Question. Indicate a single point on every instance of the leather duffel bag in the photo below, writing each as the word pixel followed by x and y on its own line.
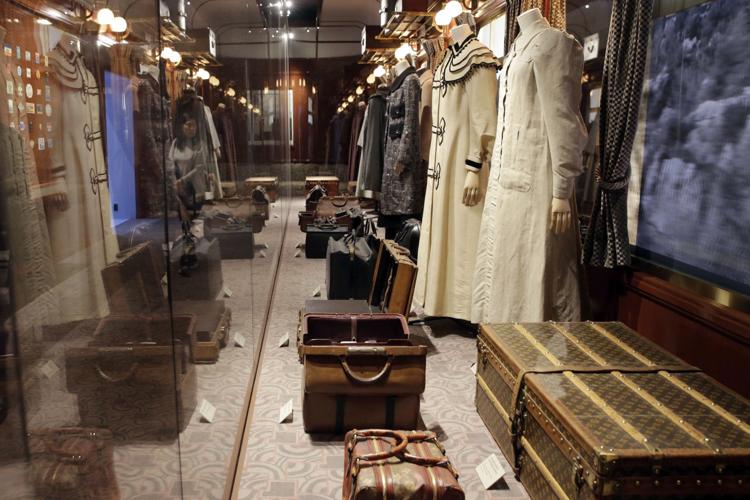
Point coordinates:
pixel 382 463
pixel 350 262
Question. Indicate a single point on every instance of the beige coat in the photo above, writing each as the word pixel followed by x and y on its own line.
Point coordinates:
pixel 82 238
pixel 464 122
pixel 524 272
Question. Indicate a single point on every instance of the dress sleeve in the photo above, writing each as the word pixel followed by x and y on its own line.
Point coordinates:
pixel 481 92
pixel 408 150
pixel 558 65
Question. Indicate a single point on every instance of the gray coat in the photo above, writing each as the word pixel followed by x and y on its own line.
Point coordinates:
pixel 403 194
pixel 373 140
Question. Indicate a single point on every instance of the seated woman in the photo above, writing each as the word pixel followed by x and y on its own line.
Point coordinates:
pixel 187 163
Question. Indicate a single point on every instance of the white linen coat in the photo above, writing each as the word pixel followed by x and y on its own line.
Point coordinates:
pixel 524 272
pixel 82 238
pixel 463 124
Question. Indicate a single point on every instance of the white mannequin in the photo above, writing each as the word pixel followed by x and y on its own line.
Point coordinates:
pixel 401 66
pixel 560 212
pixel 471 183
pixel 70 43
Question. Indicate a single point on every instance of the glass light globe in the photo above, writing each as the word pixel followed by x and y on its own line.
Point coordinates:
pixel 350 98
pixel 231 92
pixel 453 8
pixel 243 100
pixel 175 58
pixel 379 71
pixel 442 18
pixel 359 90
pixel 119 25
pixel 371 78
pixel 105 16
pixel 166 53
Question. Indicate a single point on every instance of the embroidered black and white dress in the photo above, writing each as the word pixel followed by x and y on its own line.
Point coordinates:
pixel 464 118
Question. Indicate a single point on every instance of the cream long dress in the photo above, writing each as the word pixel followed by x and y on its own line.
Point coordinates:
pixel 82 238
pixel 463 123
pixel 524 272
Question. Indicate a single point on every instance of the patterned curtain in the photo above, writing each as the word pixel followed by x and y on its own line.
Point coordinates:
pixel 607 241
pixel 511 26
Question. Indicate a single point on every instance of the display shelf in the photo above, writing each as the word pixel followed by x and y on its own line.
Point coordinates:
pixel 145 28
pixel 378 56
pixel 406 25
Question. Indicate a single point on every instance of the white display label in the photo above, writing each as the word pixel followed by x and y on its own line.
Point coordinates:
pixel 227 292
pixel 591 47
pixel 490 471
pixel 239 339
pixel 297 253
pixel 49 369
pixel 207 411
pixel 474 368
pixel 262 254
pixel 316 292
pixel 284 340
pixel 286 411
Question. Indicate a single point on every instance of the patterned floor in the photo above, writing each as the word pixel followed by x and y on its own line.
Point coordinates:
pixel 284 462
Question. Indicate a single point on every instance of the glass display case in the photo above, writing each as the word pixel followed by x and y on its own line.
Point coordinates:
pixel 137 251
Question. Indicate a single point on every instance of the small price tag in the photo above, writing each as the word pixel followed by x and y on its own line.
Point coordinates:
pixel 286 411
pixel 239 340
pixel 262 254
pixel 474 368
pixel 227 292
pixel 49 369
pixel 316 292
pixel 284 340
pixel 265 245
pixel 490 471
pixel 297 253
pixel 207 411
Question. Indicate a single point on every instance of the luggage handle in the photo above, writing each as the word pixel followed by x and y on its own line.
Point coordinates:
pixel 401 443
pixel 333 201
pixel 366 380
pixel 110 378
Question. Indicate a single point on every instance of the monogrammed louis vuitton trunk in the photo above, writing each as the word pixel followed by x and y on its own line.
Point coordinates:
pixel 593 410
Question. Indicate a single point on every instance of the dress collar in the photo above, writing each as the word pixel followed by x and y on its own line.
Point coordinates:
pixel 400 78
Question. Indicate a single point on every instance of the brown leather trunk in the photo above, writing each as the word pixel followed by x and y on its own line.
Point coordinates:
pixel 593 410
pixel 377 465
pixel 133 282
pixel 271 184
pixel 360 370
pixel 329 182
pixel 73 463
pixel 125 379
pixel 394 279
pixel 213 320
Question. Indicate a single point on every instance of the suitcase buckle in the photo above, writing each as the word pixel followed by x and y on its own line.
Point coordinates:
pixel 578 474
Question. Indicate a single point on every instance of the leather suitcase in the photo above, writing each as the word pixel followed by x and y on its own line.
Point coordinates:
pixel 133 282
pixel 364 368
pixel 394 279
pixel 213 320
pixel 349 267
pixel 127 384
pixel 593 410
pixel 381 463
pixel 73 463
pixel 316 239
pixel 271 185
pixel 238 207
pixel 329 182
pixel 236 241
pixel 201 281
pixel 321 306
pixel 261 202
pixel 337 414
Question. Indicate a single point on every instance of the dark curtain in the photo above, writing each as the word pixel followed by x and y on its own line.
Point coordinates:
pixel 511 26
pixel 622 83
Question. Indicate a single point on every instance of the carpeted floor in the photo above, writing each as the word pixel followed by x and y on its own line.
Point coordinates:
pixel 284 462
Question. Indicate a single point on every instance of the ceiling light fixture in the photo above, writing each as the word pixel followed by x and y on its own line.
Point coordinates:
pixel 371 78
pixel 379 71
pixel 119 25
pixel 203 74
pixel 350 98
pixel 166 53
pixel 105 16
pixel 243 100
pixel 360 90
pixel 442 18
pixel 453 8
pixel 43 22
pixel 176 58
pixel 403 51
pixel 231 92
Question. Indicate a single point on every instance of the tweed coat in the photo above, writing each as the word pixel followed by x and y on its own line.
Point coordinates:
pixel 464 92
pixel 525 272
pixel 403 193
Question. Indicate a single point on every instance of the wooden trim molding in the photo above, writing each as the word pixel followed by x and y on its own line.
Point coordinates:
pixel 704 333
